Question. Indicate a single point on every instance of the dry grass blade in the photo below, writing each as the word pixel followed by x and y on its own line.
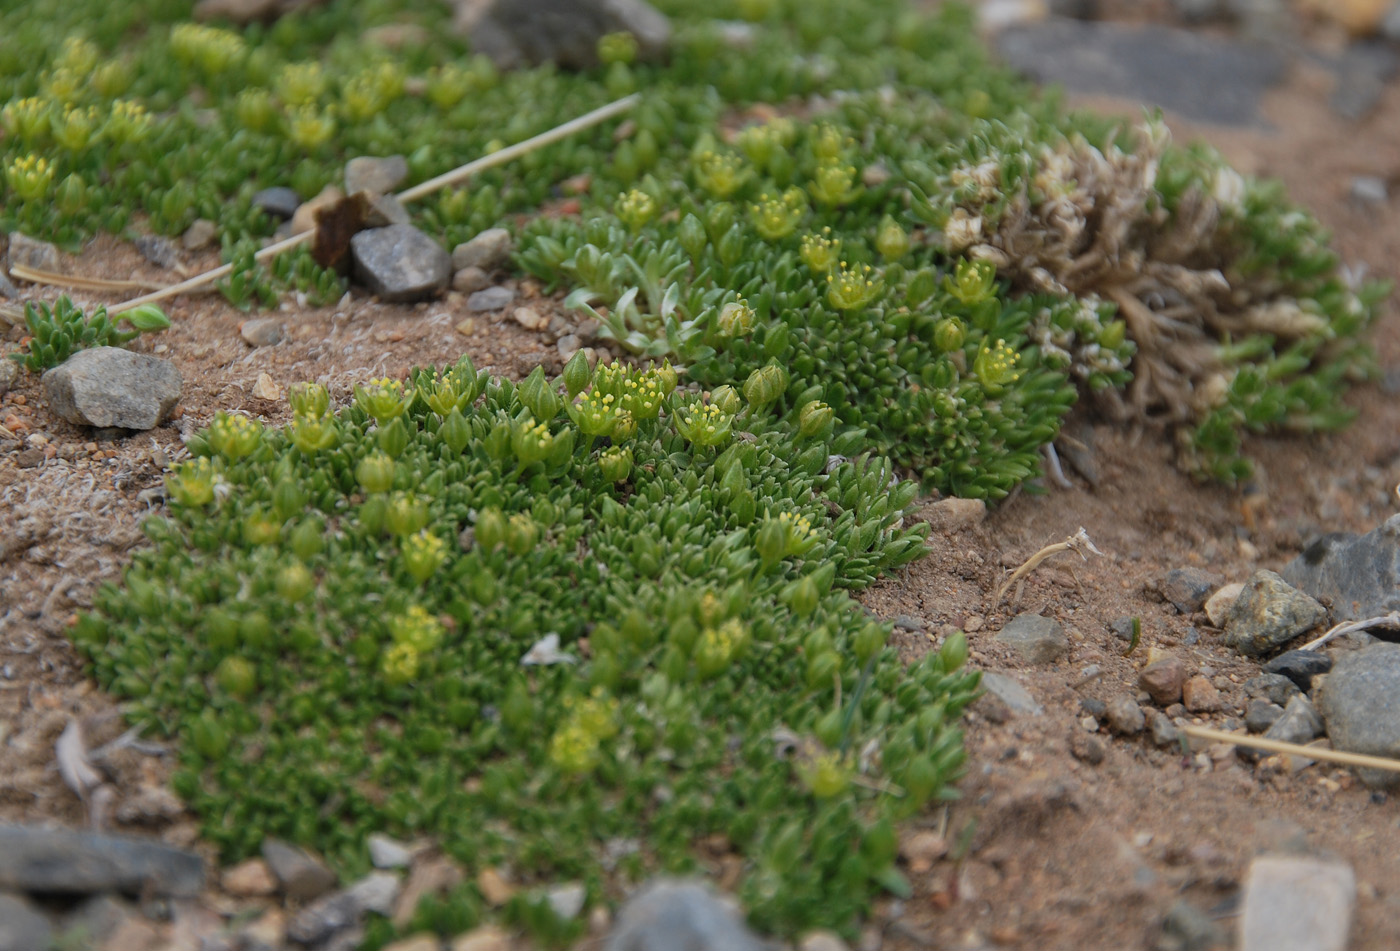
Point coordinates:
pixel 457 175
pixel 74 766
pixel 1078 542
pixel 55 279
pixel 1295 749
pixel 1351 627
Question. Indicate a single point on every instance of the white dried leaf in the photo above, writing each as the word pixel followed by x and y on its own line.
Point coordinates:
pixel 74 766
pixel 545 652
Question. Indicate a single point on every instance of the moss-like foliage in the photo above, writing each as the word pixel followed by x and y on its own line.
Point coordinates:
pixel 572 637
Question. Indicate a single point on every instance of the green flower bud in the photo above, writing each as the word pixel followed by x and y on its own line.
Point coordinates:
pixel 490 529
pixel 868 642
pixel 311 400
pixel 803 596
pixel 148 318
pixel 920 780
pixel 392 437
pixel 191 484
pixel 815 419
pixel 828 728
pixel 744 507
pixel 307 539
pixel 822 670
pixel 209 739
pixel 949 334
pixel 765 385
pixel 236 677
pixel 891 240
pixel 72 195
pixel 616 464
pixel 311 434
pixel 518 710
pixel 726 398
pixel 423 554
pixel 771 541
pixel 521 534
pixel 1113 335
pixel 255 630
pixel 692 237
pixel 972 281
pixel 455 431
pixel 295 582
pixel 735 319
pixel 531 442
pixel 234 436
pixel 953 654
pixel 922 286
pixel 538 396
pixel 405 514
pixel 383 399
pixel 400 663
pixel 260 528
pixel 577 374
pixel 375 473
pixel 824 775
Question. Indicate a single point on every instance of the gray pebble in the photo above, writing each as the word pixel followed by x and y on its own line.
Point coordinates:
pixel 378 176
pixel 1360 704
pixel 22 926
pixel 109 386
pixel 489 250
pixel 279 202
pixel 1125 716
pixel 680 915
pixel 1261 714
pixel 400 264
pixel 1035 639
pixel 491 298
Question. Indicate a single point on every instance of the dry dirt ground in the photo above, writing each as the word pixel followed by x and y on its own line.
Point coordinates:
pixel 1045 850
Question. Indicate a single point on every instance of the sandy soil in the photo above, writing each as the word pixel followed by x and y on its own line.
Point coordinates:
pixel 1047 849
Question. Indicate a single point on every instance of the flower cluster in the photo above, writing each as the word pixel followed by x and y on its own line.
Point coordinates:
pixel 852 288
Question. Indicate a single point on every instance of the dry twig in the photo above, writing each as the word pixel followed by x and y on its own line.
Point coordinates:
pixel 1078 542
pixel 1351 627
pixel 1295 749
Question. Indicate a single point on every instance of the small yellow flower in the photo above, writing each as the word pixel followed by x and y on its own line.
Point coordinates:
pixel 233 436
pixel 720 174
pixel 776 218
pixel 77 128
pixel 995 366
pixel 417 628
pixel 310 128
pixel 400 663
pixel 301 84
pixel 834 184
pixel 30 177
pixel 635 208
pixel 26 119
pixel 423 555
pixel 851 288
pixel 211 49
pixel 127 122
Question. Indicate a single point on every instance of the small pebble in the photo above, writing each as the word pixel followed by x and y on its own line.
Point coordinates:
pixel 1200 696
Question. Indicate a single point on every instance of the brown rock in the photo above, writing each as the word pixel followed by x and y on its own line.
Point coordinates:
pixel 469 280
pixel 305 217
pixel 922 849
pixel 428 878
pixel 249 879
pixel 488 938
pixel 1163 680
pixel 951 515
pixel 1200 696
pixel 494 887
pixel 419 942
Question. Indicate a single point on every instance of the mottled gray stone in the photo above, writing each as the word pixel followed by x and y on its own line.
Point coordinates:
pixel 1163 730
pixel 386 210
pixel 1261 714
pixel 341 911
pixel 262 331
pixel 490 298
pixel 516 33
pixel 385 852
pixel 1275 688
pixel 1202 78
pixel 1360 704
pixel 279 202
pixel 98 918
pixel 1299 723
pixel 378 176
pixel 1188 588
pixel 1187 928
pixel 160 251
pixel 301 876
pixel 199 235
pixel 1297 903
pixel 22 926
pixel 488 250
pixel 1358 574
pixel 32 253
pixel 1300 666
pixel 66 862
pixel 9 373
pixel 400 263
pixel 1369 189
pixel 1036 639
pixel 1268 614
pixel 1124 715
pixel 109 386
pixel 680 915
pixel 1010 692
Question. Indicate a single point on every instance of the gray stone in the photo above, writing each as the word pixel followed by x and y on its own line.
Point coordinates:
pixel 98 918
pixel 301 876
pixel 7 287
pixel 566 901
pixel 1010 692
pixel 9 373
pixel 1300 666
pixel 262 331
pixel 1360 704
pixel 1199 11
pixel 1210 80
pixel 568 345
pixel 1390 24
pixel 385 852
pixel 1261 714
pixel 1124 715
pixel 109 386
pixel 279 203
pixel 1296 903
pixel 1362 70
pixel 516 33
pixel 31 253
pixel 386 210
pixel 400 263
pixel 952 515
pixel 1268 614
pixel 488 250
pixel 1299 724
pixel 680 915
pixel 1188 588
pixel 159 250
pixel 469 280
pixel 1036 639
pixel 1358 574
pixel 199 235
pixel 378 176
pixel 490 298
pixel 1369 189
pixel 22 926
pixel 331 915
pixel 1274 688
pixel 61 861
pixel 1187 928
pixel 1163 730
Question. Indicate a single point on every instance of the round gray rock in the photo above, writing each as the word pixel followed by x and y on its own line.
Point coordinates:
pixel 22 927
pixel 400 263
pixel 1360 705
pixel 378 176
pixel 109 386
pixel 1036 639
pixel 488 250
pixel 679 915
